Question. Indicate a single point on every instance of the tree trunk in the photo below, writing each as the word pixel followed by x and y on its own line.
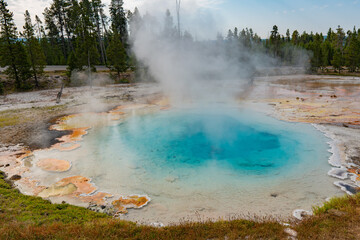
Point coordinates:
pixel 33 65
pixel 60 93
pixel 17 80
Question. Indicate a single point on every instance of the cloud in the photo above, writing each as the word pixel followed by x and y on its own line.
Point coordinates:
pixel 18 7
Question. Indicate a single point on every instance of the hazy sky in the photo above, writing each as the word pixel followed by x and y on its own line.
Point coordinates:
pixel 206 17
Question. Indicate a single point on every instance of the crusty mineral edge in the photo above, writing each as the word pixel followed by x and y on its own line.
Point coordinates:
pixel 77 189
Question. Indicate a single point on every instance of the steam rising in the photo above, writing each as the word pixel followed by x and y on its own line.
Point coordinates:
pixel 194 71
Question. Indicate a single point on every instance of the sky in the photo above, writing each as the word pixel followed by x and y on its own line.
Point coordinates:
pixel 205 18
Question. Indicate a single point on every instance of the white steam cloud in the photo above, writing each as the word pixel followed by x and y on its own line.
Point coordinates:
pixel 194 71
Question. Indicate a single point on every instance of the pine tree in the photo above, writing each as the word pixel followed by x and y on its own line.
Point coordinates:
pixel 86 52
pixel 117 51
pixel 13 54
pixel 337 60
pixel 38 24
pixel 21 60
pixel 57 12
pixel 169 28
pixel 315 47
pixel 8 38
pixel 51 44
pixel 97 9
pixel 33 48
pixel 295 38
pixel 338 40
pixel 352 51
pixel 135 21
pixel 288 35
pixel 117 58
pixel 275 41
pixel 118 20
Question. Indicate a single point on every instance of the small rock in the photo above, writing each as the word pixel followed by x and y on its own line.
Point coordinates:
pixel 300 214
pixel 102 206
pixel 285 224
pixel 15 177
pixel 7 165
pixel 157 224
pixel 2 165
pixel 291 232
pixel 274 195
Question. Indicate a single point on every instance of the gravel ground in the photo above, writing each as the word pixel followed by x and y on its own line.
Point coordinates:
pixel 24 115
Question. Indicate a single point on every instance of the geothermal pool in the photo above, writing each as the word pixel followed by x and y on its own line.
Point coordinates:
pixel 207 163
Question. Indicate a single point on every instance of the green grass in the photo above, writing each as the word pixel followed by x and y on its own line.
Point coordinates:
pixel 7 119
pixel 338 218
pixel 345 203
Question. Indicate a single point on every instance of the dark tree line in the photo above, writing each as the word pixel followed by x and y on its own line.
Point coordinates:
pixel 337 49
pixel 78 34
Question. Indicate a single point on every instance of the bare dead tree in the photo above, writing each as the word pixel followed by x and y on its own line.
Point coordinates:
pixel 60 93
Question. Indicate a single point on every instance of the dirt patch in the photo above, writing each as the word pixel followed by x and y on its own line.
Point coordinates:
pixel 32 130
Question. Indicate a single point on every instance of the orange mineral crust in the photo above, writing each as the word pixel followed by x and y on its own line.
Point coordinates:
pixel 77 187
pixel 61 147
pixel 83 184
pixel 98 198
pixel 133 201
pixel 356 172
pixel 53 165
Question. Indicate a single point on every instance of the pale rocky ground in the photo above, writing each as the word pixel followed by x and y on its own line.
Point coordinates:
pixel 332 102
pixel 35 110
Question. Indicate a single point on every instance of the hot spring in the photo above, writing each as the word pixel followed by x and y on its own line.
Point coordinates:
pixel 211 163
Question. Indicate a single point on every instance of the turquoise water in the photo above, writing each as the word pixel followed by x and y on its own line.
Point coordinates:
pixel 191 139
pixel 244 141
pixel 213 161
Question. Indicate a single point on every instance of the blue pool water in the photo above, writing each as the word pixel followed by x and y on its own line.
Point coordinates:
pixel 191 139
pixel 214 161
pixel 238 140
